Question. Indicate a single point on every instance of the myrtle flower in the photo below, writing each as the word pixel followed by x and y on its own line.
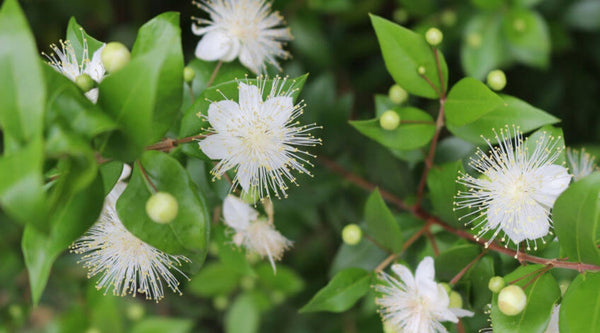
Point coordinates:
pixel 256 234
pixel 415 303
pixel 259 138
pixel 244 29
pixel 124 263
pixel 64 60
pixel 581 163
pixel 517 188
pixel 553 323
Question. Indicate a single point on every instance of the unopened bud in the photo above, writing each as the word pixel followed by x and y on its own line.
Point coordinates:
pixel 277 297
pixel 434 36
pixel 512 300
pixel 400 15
pixel 519 25
pixel 496 80
pixel 421 70
pixel 448 17
pixel 247 283
pixel 397 94
pixel 115 56
pixel 496 284
pixel 85 82
pixel 188 74
pixel 135 312
pixel 446 287
pixel 162 207
pixel 455 300
pixel 474 40
pixel 352 234
pixel 220 303
pixel 389 120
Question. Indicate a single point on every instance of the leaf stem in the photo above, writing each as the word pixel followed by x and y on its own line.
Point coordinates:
pixel 213 76
pixel 146 176
pixel 406 245
pixel 462 272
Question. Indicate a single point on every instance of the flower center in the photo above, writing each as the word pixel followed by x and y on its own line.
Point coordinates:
pixel 516 191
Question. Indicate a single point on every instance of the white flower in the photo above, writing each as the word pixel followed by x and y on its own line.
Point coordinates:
pixel 415 303
pixel 517 188
pixel 553 323
pixel 258 235
pixel 244 29
pixel 259 138
pixel 581 163
pixel 64 60
pixel 124 263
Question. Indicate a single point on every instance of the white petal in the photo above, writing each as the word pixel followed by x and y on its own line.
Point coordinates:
pixel 218 146
pixel 250 99
pixel 238 214
pixel 199 30
pixel 405 275
pixel 554 180
pixel 461 312
pixel 253 62
pixel 244 178
pixel 213 46
pixel 446 315
pixel 278 110
pixel 125 172
pixel 95 68
pixel 425 270
pixel 92 95
pixel 234 50
pixel 224 115
pixel 536 224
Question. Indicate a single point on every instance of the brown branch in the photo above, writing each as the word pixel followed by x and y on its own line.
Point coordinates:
pixel 213 76
pixel 167 144
pixel 466 268
pixel 436 250
pixel 423 215
pixel 408 243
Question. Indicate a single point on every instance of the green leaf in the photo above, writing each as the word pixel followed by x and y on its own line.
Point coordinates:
pixel 489 4
pixel 23 95
pixel 442 185
pixel 580 307
pixel 575 215
pixel 162 324
pixel 528 37
pixel 512 112
pixel 78 37
pixel 188 233
pixel 144 96
pixel 365 255
pixel 483 48
pixel 381 224
pixel 542 294
pixel 469 100
pixel 285 280
pixel 404 52
pixel 584 15
pixel 213 280
pixel 22 194
pixel 110 173
pixel 69 221
pixel 346 287
pixel 229 254
pixel 451 261
pixel 407 136
pixel 243 316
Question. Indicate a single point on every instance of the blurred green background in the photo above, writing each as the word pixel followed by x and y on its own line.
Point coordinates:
pixel 335 43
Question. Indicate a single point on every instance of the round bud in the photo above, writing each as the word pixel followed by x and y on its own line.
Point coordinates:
pixel 496 284
pixel 519 25
pixel 389 120
pixel 162 207
pixel 135 312
pixel 446 287
pixel 434 36
pixel 421 70
pixel 448 17
pixel 250 197
pixel 397 94
pixel 455 300
pixel 512 300
pixel 85 82
pixel 400 15
pixel 277 297
pixel 474 40
pixel 496 80
pixel 247 283
pixel 220 303
pixel 351 234
pixel 188 74
pixel 115 56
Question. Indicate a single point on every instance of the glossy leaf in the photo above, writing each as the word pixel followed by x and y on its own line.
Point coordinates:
pixel 77 36
pixel 404 52
pixel 213 280
pixel 381 224
pixel 407 136
pixel 542 294
pixel 584 15
pixel 285 280
pixel 528 37
pixel 469 100
pixel 23 95
pixel 162 324
pixel 346 287
pixel 188 233
pixel 580 307
pixel 483 46
pixel 243 316
pixel 442 185
pixel 451 261
pixel 576 221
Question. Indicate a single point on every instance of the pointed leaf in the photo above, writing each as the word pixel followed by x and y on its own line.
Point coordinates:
pixel 346 287
pixel 580 307
pixel 469 100
pixel 381 224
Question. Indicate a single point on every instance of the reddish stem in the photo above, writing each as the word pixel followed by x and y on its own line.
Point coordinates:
pixel 462 272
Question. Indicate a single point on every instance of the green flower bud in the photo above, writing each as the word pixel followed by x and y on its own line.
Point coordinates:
pixel 474 40
pixel 519 25
pixel 434 36
pixel 115 56
pixel 496 80
pixel 247 283
pixel 220 303
pixel 421 70
pixel 84 82
pixel 277 297
pixel 351 234
pixel 250 197
pixel 188 74
pixel 496 284
pixel 162 207
pixel 135 312
pixel 397 94
pixel 400 15
pixel 446 287
pixel 455 300
pixel 448 17
pixel 512 300
pixel 389 120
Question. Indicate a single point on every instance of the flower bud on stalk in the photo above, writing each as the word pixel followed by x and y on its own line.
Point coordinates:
pixel 512 300
pixel 115 56
pixel 389 120
pixel 162 207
